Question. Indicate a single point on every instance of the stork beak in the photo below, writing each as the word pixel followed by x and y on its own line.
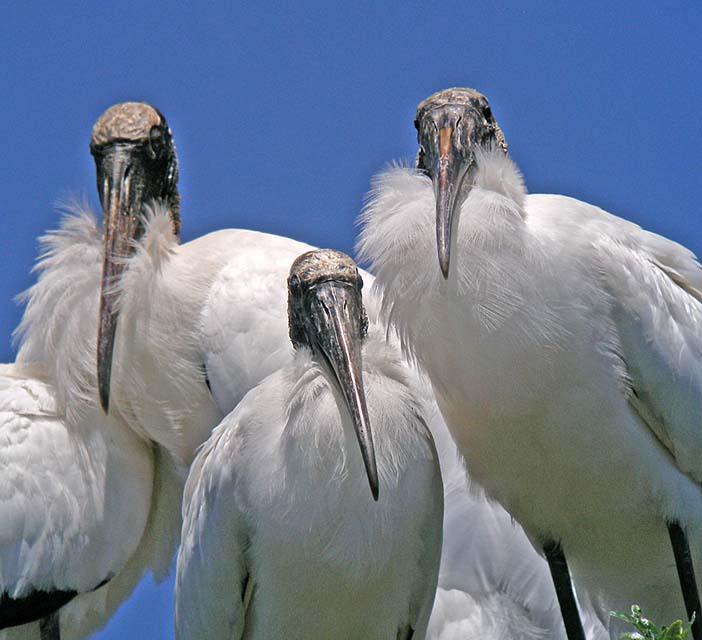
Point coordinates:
pixel 448 177
pixel 119 188
pixel 337 309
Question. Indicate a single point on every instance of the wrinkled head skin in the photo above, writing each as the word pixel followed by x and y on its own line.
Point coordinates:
pixel 326 315
pixel 136 162
pixel 451 125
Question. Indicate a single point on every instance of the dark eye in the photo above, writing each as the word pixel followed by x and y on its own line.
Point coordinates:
pixel 422 160
pixel 487 113
pixel 155 141
pixel 156 137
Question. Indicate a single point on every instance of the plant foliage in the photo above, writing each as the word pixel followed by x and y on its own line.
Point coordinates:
pixel 647 630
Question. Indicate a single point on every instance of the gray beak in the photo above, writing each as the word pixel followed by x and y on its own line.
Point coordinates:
pixel 120 186
pixel 336 309
pixel 448 177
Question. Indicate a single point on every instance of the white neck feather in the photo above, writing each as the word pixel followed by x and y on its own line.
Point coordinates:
pixel 492 250
pixel 497 173
pixel 158 377
pixel 59 324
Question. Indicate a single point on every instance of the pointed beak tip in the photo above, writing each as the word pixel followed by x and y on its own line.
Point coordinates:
pixel 444 264
pixel 104 365
pixel 375 491
pixel 105 401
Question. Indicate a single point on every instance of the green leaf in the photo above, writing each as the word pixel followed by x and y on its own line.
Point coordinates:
pixel 647 630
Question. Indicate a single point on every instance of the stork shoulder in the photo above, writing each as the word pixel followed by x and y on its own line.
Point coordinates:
pixel 654 288
pixel 243 323
pixel 574 220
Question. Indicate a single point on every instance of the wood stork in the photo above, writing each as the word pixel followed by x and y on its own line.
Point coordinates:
pixel 210 314
pixel 202 323
pixel 225 296
pixel 86 504
pixel 75 497
pixel 281 536
pixel 564 346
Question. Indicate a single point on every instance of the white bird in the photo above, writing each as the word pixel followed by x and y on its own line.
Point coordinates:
pixel 212 314
pixel 200 324
pixel 225 295
pixel 86 504
pixel 564 345
pixel 281 536
pixel 75 496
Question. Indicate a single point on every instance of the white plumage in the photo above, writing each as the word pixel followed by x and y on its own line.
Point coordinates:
pixel 58 506
pixel 226 296
pixel 223 295
pixel 564 349
pixel 281 537
pixel 208 314
pixel 83 499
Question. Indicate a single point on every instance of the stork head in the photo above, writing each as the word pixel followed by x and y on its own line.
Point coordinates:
pixel 451 125
pixel 326 315
pixel 136 162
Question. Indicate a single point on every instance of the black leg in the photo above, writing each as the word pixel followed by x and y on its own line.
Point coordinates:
pixel 49 627
pixel 686 574
pixel 564 590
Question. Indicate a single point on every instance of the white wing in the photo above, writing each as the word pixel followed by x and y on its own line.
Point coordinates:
pixel 73 501
pixel 657 307
pixel 655 287
pixel 90 611
pixel 211 559
pixel 244 320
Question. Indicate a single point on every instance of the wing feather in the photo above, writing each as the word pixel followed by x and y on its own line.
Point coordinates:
pixel 244 320
pixel 62 526
pixel 656 295
pixel 655 290
pixel 213 585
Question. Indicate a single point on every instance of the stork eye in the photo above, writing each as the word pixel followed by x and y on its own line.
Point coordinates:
pixel 155 139
pixel 421 161
pixel 155 134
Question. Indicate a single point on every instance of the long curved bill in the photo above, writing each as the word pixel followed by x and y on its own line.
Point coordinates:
pixel 121 225
pixel 337 309
pixel 448 178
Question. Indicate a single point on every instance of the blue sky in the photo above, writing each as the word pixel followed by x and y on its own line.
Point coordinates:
pixel 281 115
